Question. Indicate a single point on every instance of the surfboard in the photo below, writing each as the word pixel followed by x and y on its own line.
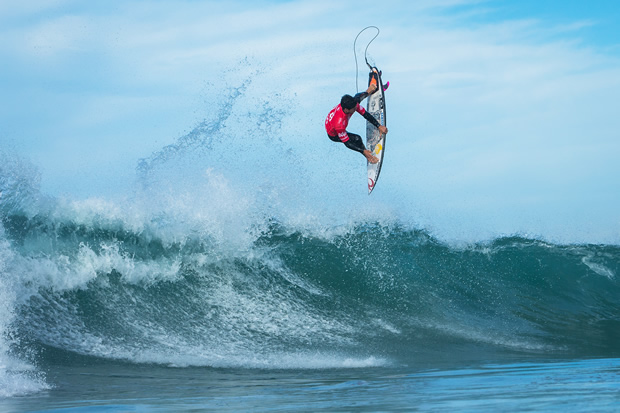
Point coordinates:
pixel 375 140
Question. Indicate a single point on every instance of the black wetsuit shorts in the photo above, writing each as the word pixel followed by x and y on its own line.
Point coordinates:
pixel 354 143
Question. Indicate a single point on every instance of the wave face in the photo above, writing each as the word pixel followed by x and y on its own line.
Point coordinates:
pixel 93 279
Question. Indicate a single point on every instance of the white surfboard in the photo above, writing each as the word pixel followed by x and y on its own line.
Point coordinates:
pixel 375 140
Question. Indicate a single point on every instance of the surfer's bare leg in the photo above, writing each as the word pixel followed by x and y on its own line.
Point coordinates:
pixel 355 143
pixel 370 157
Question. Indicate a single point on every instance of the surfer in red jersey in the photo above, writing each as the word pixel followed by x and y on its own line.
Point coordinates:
pixel 338 119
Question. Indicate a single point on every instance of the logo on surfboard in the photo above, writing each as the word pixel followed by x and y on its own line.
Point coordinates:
pixel 371 184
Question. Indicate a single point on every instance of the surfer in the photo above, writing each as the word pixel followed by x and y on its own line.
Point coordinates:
pixel 338 119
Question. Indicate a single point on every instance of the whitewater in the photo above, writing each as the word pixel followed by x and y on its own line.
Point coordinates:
pixel 264 285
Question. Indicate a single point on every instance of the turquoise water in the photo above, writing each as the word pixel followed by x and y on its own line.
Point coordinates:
pixel 583 385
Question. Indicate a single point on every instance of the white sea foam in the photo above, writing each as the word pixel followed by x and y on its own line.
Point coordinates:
pixel 16 376
pixel 598 268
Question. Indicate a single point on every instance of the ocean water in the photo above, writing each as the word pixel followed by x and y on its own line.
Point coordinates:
pixel 103 308
pixel 208 288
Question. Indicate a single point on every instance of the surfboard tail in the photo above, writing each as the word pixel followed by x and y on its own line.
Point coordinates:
pixel 373 79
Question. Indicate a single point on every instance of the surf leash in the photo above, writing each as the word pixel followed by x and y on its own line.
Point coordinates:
pixel 365 53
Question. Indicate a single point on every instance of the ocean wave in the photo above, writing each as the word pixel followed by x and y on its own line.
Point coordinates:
pixel 167 288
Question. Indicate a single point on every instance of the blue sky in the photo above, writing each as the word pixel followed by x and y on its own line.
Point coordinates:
pixel 502 114
pixel 602 16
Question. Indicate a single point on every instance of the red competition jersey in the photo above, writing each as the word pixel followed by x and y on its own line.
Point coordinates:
pixel 337 121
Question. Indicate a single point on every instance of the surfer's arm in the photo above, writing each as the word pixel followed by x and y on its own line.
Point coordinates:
pixel 363 95
pixel 360 96
pixel 375 123
pixel 371 119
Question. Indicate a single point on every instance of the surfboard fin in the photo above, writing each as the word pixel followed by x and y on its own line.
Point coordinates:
pixel 373 78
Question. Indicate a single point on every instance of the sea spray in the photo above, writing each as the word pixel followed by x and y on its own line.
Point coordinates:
pixel 17 377
pixel 19 194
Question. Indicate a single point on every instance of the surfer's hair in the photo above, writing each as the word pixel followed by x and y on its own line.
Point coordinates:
pixel 348 102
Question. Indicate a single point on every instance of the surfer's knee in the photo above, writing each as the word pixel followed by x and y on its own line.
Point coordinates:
pixel 355 143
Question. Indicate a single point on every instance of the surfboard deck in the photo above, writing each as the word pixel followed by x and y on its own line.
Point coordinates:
pixel 375 140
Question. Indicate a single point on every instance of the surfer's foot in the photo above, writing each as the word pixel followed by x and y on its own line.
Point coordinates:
pixel 370 157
